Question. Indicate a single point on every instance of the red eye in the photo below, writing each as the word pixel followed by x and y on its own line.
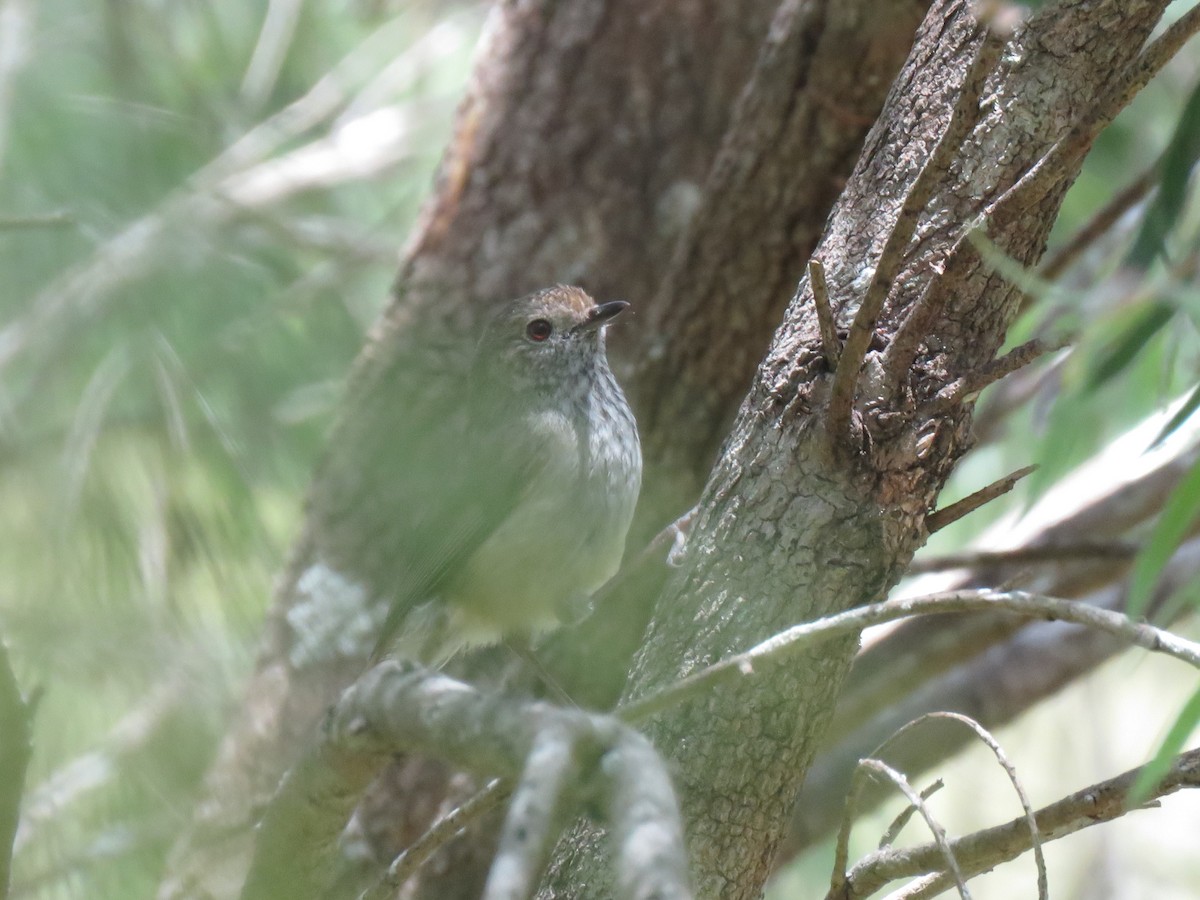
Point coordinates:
pixel 538 330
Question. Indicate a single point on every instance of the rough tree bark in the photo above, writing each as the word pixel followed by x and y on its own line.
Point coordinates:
pixel 581 154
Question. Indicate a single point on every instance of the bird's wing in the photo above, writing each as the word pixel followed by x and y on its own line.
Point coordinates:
pixel 466 496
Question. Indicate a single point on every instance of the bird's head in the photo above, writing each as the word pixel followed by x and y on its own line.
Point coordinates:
pixel 547 339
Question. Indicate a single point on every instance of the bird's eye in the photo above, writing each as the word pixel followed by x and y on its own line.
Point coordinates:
pixel 538 330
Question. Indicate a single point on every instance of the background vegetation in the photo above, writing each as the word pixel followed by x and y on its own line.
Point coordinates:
pixel 201 208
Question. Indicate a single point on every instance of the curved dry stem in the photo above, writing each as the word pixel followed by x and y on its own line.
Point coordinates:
pixel 997 751
pixel 807 635
pixel 840 885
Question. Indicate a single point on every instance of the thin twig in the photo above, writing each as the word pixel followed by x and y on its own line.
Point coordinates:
pixel 387 710
pixel 442 831
pixel 939 834
pixel 983 850
pixel 810 634
pixel 645 823
pixel 938 520
pixel 901 353
pixel 831 345
pixel 969 386
pixel 998 752
pixel 839 878
pixel 962 119
pixel 893 830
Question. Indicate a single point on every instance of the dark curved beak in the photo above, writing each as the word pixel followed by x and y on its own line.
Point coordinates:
pixel 602 314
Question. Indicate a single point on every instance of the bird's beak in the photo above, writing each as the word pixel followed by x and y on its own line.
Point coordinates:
pixel 602 314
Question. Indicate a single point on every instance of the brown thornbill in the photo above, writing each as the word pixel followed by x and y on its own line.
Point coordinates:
pixel 535 511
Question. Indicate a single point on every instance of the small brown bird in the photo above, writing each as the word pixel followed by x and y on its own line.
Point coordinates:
pixel 537 508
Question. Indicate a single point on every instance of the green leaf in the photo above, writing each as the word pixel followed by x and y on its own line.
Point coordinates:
pixel 1152 773
pixel 1172 527
pixel 1181 415
pixel 1168 204
pixel 1119 352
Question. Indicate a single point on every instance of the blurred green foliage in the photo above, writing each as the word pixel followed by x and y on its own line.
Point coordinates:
pixel 179 305
pixel 193 241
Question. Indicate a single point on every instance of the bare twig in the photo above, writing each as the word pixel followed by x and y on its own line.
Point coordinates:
pixel 831 345
pixel 939 663
pixel 1048 171
pixel 997 751
pixel 939 834
pixel 986 849
pixel 1030 189
pixel 442 831
pixel 802 637
pixel 893 830
pixel 646 824
pixel 839 879
pixel 969 386
pixel 938 520
pixel 902 351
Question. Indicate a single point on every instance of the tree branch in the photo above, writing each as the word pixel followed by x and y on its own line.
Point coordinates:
pixel 1068 150
pixel 831 344
pixel 986 849
pixel 405 708
pixel 963 117
pixel 992 744
pixel 801 637
pixel 947 515
pixel 531 826
pixel 969 386
pixel 1100 222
